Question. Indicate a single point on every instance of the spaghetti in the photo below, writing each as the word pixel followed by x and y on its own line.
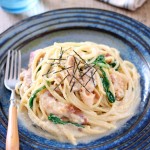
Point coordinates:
pixel 75 90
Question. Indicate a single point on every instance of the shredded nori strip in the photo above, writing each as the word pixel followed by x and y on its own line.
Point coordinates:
pixel 75 68
pixel 60 82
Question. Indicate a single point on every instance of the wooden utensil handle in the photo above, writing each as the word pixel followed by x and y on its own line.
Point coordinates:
pixel 12 139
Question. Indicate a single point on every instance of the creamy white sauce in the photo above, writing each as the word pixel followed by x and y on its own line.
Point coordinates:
pixel 25 121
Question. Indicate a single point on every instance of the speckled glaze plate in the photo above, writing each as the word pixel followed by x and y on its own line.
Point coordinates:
pixel 130 37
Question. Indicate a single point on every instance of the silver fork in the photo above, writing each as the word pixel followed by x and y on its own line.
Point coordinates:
pixel 13 67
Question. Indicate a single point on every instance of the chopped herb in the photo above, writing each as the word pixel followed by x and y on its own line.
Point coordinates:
pixel 106 86
pixel 57 120
pixel 113 64
pixel 33 96
pixel 39 69
pixel 103 65
pixel 105 83
pixel 117 68
pixel 100 61
pixel 105 80
pixel 110 96
pixel 48 83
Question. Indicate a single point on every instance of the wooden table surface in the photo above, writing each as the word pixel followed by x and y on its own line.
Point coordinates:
pixel 142 14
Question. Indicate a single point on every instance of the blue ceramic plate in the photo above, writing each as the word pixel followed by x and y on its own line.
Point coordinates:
pixel 130 37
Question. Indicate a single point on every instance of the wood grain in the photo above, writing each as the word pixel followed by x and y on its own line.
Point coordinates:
pixel 12 139
pixel 142 14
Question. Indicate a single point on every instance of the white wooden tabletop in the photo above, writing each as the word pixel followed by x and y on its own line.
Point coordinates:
pixel 142 14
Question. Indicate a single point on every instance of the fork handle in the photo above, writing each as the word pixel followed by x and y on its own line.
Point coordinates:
pixel 12 139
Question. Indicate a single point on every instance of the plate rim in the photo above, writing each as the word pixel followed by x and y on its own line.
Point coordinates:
pixel 71 8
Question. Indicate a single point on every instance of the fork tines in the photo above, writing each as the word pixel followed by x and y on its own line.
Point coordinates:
pixel 13 65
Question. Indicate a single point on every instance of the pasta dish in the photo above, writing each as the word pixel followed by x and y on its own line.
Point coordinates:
pixel 75 90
